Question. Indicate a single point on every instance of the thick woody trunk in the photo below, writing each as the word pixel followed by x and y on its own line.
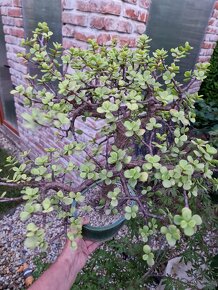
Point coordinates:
pixel 121 142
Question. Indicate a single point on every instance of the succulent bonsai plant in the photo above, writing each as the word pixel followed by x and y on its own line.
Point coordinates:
pixel 143 141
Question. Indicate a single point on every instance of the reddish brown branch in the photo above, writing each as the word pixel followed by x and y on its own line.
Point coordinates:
pixel 11 199
pixel 145 213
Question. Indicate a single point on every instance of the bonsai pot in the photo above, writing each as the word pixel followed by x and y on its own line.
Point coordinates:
pixel 102 233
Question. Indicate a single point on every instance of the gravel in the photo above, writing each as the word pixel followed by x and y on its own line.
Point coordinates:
pixel 12 237
pixel 8 144
pixel 12 245
pixel 97 214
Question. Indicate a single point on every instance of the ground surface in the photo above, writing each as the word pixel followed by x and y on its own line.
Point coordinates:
pixel 5 207
pixel 113 266
pixel 11 249
pixel 117 265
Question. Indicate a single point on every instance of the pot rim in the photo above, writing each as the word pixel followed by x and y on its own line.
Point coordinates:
pixel 110 226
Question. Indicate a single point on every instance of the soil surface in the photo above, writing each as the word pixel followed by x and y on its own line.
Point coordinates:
pixel 100 214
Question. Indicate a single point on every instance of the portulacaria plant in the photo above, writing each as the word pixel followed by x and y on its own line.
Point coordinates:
pixel 144 141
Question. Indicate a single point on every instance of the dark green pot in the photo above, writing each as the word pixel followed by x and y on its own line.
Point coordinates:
pixel 102 233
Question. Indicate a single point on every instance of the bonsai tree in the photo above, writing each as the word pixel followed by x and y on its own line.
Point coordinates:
pixel 143 141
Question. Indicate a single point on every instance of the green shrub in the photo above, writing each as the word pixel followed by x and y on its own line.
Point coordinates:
pixel 11 193
pixel 207 108
pixel 139 101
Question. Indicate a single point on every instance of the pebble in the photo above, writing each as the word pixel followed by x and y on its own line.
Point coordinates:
pixel 12 246
pixel 12 236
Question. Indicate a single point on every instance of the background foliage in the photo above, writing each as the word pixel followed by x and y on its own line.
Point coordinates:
pixel 207 108
pixel 140 101
pixel 118 264
pixel 6 172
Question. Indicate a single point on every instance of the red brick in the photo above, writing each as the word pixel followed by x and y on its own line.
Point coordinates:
pixel 4 11
pixel 208 45
pixel 14 57
pixel 18 22
pixel 211 37
pixel 12 39
pixel 97 22
pixel 16 74
pixel 6 29
pixel 83 36
pixel 100 6
pixel 144 3
pixel 17 3
pixel 17 66
pixel 71 42
pixel 206 52
pixel 14 31
pixel 110 24
pixel 103 23
pixel 140 28
pixel 124 26
pixel 130 41
pixel 6 20
pixel 203 58
pixel 110 7
pixel 212 30
pixel 68 30
pixel 136 14
pixel 103 38
pixel 6 3
pixel 15 12
pixel 211 21
pixel 73 18
pixel 14 48
pixel 215 13
pixel 68 4
pixel 88 6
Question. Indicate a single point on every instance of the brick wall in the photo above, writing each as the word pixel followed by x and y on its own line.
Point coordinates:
pixel 209 42
pixel 82 19
pixel 102 20
pixel 12 20
pixel 11 11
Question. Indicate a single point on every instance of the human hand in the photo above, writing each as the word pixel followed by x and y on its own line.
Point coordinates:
pixel 63 273
pixel 84 249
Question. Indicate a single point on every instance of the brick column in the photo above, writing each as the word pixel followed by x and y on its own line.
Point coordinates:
pixel 209 42
pixel 103 20
pixel 12 20
pixel 11 13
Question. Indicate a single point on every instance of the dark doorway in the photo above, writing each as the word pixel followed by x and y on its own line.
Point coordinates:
pixel 7 107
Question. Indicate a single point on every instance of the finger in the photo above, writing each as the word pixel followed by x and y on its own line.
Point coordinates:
pixel 85 220
pixel 93 247
pixel 88 242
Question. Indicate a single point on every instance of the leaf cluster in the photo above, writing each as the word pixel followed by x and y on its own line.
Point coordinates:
pixel 138 101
